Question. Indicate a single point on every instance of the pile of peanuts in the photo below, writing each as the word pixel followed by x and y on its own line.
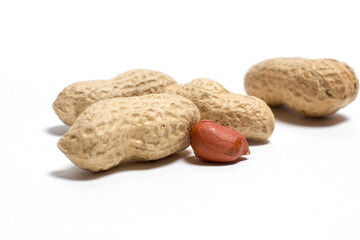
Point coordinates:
pixel 145 115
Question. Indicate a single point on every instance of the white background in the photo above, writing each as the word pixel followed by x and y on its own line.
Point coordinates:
pixel 304 183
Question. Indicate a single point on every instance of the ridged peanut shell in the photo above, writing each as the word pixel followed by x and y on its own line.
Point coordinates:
pixel 311 87
pixel 144 128
pixel 75 98
pixel 248 115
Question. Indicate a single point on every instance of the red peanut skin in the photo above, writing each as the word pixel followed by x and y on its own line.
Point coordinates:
pixel 216 143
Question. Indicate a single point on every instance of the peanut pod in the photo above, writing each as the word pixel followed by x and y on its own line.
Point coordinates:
pixel 248 115
pixel 144 128
pixel 311 87
pixel 75 98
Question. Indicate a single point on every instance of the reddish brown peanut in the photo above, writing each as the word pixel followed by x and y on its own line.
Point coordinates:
pixel 216 143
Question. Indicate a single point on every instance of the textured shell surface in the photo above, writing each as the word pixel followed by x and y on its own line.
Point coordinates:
pixel 145 128
pixel 312 87
pixel 249 115
pixel 75 98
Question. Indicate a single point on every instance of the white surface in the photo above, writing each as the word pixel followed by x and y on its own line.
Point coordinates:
pixel 302 184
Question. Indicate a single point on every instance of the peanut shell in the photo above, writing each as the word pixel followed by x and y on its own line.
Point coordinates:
pixel 143 128
pixel 248 115
pixel 75 98
pixel 311 87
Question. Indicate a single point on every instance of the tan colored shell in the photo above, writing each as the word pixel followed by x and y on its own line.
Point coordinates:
pixel 311 87
pixel 145 128
pixel 75 98
pixel 248 115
